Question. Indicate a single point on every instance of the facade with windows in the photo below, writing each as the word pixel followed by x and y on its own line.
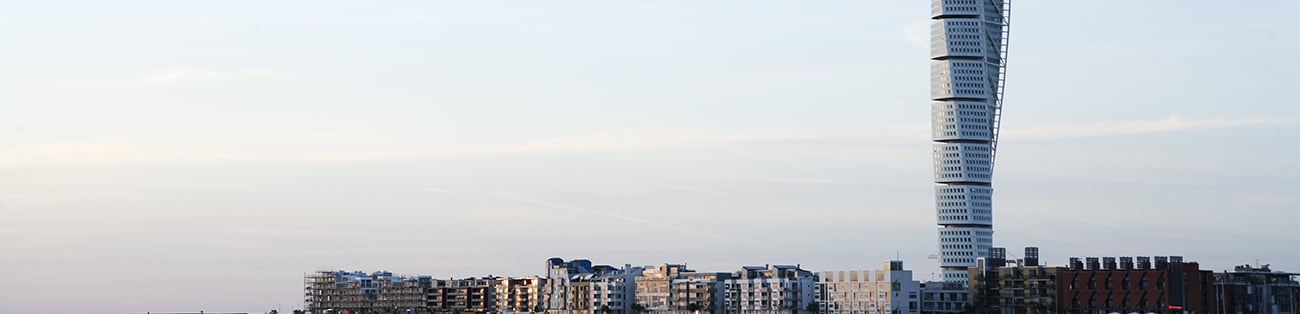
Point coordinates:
pixel 1249 289
pixel 945 297
pixel 1017 288
pixel 891 290
pixel 967 69
pixel 555 295
pixel 607 290
pixel 1135 286
pixel 673 288
pixel 383 292
pixel 769 289
pixel 359 292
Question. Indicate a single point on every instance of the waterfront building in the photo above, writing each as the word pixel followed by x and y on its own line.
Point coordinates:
pixel 967 70
pixel 1017 287
pixel 358 292
pixel 1129 285
pixel 1249 289
pixel 769 289
pixel 945 297
pixel 606 290
pixel 653 289
pixel 464 295
pixel 519 294
pixel 555 295
pixel 673 288
pixel 891 290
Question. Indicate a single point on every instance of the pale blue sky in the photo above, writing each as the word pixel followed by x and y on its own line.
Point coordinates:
pixel 185 156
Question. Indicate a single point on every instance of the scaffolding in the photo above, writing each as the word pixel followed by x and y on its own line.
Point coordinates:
pixel 357 292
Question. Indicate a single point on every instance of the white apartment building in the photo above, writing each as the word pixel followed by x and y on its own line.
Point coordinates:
pixel 769 289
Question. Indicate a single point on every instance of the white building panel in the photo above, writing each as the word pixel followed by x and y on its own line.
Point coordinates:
pixel 961 121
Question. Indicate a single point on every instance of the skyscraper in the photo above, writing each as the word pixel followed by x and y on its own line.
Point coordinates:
pixel 967 68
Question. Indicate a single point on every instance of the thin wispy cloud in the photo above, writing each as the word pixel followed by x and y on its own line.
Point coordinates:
pixel 183 74
pixel 437 190
pixel 1098 129
pixel 697 190
pixel 626 218
pixel 117 151
pixel 152 78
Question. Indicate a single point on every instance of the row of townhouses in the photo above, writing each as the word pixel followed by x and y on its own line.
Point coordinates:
pixel 996 285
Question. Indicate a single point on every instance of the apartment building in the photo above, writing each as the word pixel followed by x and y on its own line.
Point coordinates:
pixel 1022 286
pixel 887 291
pixel 1125 286
pixel 1251 289
pixel 607 290
pixel 359 292
pixel 769 289
pixel 945 297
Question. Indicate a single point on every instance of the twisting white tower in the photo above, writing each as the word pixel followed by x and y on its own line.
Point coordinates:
pixel 968 41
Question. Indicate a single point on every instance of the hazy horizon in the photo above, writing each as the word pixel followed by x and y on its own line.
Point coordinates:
pixel 187 156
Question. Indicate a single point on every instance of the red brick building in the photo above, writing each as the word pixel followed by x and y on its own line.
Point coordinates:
pixel 1167 286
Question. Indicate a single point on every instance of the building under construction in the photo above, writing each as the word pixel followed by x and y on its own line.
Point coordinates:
pixel 358 292
pixel 341 292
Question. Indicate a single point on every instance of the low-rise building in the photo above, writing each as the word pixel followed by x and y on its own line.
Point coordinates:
pixel 698 292
pixel 555 295
pixel 1019 287
pixel 358 292
pixel 944 297
pixel 1105 285
pixel 521 294
pixel 1248 289
pixel 673 288
pixel 606 290
pixel 770 289
pixel 653 288
pixel 891 290
pixel 468 295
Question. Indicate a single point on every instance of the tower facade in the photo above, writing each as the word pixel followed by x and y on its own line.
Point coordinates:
pixel 967 69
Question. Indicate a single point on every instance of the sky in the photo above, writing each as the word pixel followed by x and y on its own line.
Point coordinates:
pixel 186 156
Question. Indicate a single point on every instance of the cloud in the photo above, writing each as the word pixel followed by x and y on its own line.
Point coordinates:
pixel 1098 129
pixel 113 151
pixel 181 74
pixel 149 79
pixel 637 220
pixel 117 151
pixel 696 190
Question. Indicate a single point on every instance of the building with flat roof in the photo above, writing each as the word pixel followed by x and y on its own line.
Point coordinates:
pixel 1250 289
pixel 769 289
pixel 1135 285
pixel 889 290
pixel 1022 286
pixel 359 292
